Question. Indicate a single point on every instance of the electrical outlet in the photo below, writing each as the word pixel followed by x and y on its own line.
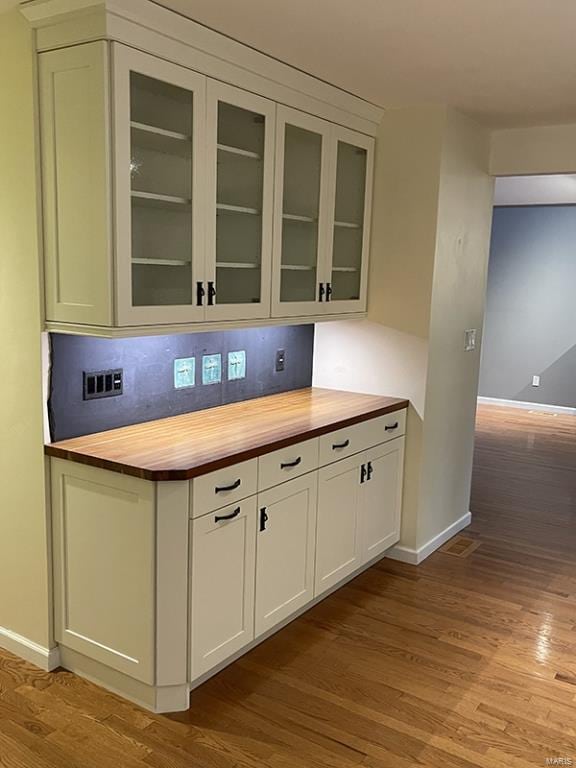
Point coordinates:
pixel 237 365
pixel 211 369
pixel 184 372
pixel 280 360
pixel 535 381
pixel 98 384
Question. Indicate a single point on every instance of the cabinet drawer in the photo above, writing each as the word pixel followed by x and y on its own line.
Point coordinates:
pixel 350 440
pixel 274 468
pixel 225 486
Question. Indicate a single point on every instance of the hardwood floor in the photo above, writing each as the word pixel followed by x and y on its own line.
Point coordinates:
pixel 467 660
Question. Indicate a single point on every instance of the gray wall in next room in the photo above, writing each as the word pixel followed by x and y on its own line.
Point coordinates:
pixel 148 362
pixel 530 326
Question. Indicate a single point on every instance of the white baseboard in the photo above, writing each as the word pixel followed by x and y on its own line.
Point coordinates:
pixel 527 406
pixel 45 658
pixel 416 556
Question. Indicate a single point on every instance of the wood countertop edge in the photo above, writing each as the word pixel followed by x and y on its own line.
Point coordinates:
pixel 160 475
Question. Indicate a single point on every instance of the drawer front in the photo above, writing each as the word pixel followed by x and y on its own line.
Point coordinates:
pixel 350 440
pixel 279 466
pixel 223 487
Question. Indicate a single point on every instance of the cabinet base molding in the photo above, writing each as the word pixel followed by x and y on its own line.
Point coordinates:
pixel 45 658
pixel 417 556
pixel 260 639
pixel 157 699
pixel 122 332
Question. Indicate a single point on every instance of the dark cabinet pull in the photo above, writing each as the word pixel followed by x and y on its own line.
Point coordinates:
pixel 328 291
pixel 345 444
pixel 200 293
pixel 211 293
pixel 391 426
pixel 363 473
pixel 263 519
pixel 321 291
pixel 294 463
pixel 232 487
pixel 369 471
pixel 231 516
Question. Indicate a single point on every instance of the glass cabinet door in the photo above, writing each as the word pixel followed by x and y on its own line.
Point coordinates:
pixel 240 183
pixel 159 113
pixel 347 281
pixel 301 213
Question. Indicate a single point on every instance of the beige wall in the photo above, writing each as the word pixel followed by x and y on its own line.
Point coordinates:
pixel 432 215
pixel 458 297
pixel 23 531
pixel 542 149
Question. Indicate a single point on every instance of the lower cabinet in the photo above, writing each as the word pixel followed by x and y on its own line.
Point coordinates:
pixel 155 589
pixel 359 506
pixel 223 551
pixel 285 550
pixel 338 544
pixel 381 498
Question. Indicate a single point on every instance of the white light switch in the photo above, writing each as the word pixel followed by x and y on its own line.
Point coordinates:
pixel 470 340
pixel 535 381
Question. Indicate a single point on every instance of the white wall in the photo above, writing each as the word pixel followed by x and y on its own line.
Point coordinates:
pixel 24 587
pixel 432 214
pixel 555 189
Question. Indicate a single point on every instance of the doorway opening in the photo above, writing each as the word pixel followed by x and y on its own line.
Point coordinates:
pixel 524 479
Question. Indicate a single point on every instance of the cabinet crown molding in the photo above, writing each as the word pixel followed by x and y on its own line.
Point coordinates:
pixel 149 27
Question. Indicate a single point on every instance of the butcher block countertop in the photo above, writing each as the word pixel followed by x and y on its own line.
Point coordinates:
pixel 186 446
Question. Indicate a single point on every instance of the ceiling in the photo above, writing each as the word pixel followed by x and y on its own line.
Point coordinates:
pixel 506 62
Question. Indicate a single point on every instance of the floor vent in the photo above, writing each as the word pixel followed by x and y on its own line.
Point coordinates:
pixel 460 546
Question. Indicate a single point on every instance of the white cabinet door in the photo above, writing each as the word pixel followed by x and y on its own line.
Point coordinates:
pixel 75 140
pixel 381 499
pixel 285 550
pixel 159 112
pixel 352 156
pixel 239 203
pixel 104 566
pixel 301 213
pixel 338 543
pixel 223 550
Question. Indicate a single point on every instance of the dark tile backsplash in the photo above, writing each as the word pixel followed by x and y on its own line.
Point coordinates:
pixel 149 391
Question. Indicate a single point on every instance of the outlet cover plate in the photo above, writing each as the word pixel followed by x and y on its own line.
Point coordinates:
pixel 211 369
pixel 184 372
pixel 237 365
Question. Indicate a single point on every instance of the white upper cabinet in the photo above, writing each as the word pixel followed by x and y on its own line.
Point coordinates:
pixel 351 205
pixel 322 217
pixel 302 213
pixel 174 199
pixel 159 121
pixel 239 183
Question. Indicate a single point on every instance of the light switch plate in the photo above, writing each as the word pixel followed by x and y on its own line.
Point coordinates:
pixel 237 365
pixel 211 369
pixel 470 340
pixel 184 372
